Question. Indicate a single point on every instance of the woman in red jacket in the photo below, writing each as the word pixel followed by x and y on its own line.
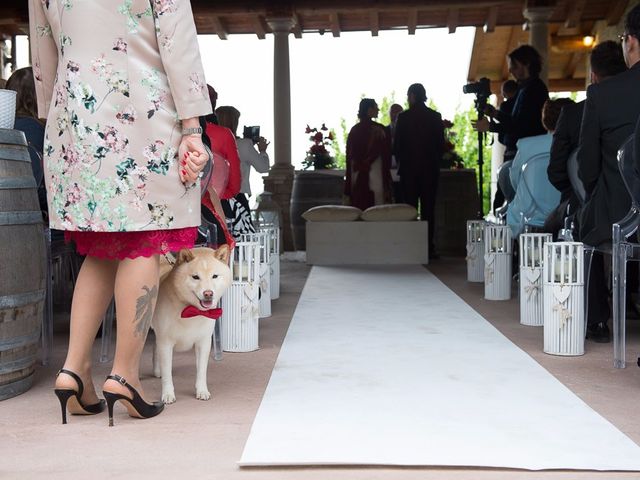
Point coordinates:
pixel 223 145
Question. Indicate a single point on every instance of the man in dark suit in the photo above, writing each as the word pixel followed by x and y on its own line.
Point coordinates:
pixel 606 61
pixel 418 147
pixel 610 115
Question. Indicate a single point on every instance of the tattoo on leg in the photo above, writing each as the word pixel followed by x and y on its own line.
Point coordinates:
pixel 144 310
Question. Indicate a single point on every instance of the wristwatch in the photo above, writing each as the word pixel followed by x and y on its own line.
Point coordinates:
pixel 192 131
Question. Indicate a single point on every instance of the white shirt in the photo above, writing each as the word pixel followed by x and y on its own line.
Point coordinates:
pixel 250 157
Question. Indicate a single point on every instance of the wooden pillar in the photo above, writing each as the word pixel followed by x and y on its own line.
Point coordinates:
pixel 538 18
pixel 280 179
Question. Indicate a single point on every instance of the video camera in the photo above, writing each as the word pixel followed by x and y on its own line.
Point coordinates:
pixel 482 90
pixel 252 132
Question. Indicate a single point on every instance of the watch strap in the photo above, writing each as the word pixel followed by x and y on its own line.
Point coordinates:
pixel 192 131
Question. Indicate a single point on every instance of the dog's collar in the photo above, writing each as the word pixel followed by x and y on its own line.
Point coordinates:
pixel 191 311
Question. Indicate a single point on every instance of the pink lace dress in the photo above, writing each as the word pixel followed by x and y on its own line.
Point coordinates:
pixel 121 245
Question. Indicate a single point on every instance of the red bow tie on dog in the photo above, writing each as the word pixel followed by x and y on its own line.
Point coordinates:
pixel 191 311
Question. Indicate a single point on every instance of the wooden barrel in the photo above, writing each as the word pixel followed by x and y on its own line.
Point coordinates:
pixel 311 189
pixel 22 266
pixel 456 202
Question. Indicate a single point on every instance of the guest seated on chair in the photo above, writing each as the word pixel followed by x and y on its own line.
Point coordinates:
pixel 524 208
pixel 606 61
pixel 21 82
pixel 610 115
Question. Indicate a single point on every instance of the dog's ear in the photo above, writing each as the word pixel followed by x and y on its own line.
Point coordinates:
pixel 222 253
pixel 184 256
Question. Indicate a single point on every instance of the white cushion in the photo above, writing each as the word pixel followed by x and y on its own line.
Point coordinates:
pixel 396 212
pixel 332 213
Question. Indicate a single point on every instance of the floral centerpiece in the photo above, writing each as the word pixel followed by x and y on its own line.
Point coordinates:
pixel 318 156
pixel 450 159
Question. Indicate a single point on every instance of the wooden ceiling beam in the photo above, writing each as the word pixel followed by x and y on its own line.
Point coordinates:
pixel 617 10
pixel 492 18
pixel 374 22
pixel 218 27
pixel 513 43
pixel 412 21
pixel 260 26
pixel 572 66
pixel 334 20
pixel 574 15
pixel 452 19
pixel 475 58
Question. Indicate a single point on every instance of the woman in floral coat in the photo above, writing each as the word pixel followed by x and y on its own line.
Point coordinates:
pixel 122 86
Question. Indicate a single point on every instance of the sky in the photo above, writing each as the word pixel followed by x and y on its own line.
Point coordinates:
pixel 329 75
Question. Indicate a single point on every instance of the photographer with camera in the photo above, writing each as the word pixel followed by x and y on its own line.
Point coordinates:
pixel 525 119
pixel 237 209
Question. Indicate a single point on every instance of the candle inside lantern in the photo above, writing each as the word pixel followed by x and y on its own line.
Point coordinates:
pixel 241 270
pixel 565 271
pixel 536 257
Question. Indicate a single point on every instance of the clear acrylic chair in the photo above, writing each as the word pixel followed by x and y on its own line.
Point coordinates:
pixel 569 233
pixel 63 266
pixel 624 250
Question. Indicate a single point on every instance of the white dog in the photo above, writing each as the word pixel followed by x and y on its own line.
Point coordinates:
pixel 194 285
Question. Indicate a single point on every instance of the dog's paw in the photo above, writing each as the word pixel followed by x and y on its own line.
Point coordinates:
pixel 203 394
pixel 156 372
pixel 169 397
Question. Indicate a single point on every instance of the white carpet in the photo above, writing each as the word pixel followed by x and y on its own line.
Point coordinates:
pixel 387 366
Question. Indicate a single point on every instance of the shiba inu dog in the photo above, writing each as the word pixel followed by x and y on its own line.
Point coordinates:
pixel 186 311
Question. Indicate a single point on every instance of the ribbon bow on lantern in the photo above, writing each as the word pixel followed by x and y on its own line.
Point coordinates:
pixel 488 268
pixel 263 278
pixel 565 313
pixel 250 309
pixel 561 294
pixel 531 289
pixel 531 276
pixel 471 253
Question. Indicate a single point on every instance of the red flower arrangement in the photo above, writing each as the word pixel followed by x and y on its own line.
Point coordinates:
pixel 450 159
pixel 318 156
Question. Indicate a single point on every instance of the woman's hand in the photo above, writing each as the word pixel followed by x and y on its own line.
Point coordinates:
pixel 263 144
pixel 193 158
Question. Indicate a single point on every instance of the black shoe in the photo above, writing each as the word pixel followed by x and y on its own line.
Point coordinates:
pixel 599 333
pixel 136 406
pixel 75 405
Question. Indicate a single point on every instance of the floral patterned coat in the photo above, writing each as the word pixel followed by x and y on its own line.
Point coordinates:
pixel 114 78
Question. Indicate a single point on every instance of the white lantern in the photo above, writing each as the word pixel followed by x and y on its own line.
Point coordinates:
pixel 475 250
pixel 268 212
pixel 264 240
pixel 564 328
pixel 531 259
pixel 274 259
pixel 497 262
pixel 240 304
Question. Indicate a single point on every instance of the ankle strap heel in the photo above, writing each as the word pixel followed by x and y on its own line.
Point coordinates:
pixel 136 406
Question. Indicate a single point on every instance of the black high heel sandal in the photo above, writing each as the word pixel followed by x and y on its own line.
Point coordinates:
pixel 75 405
pixel 136 406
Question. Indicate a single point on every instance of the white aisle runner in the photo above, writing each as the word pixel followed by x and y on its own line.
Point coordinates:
pixel 387 366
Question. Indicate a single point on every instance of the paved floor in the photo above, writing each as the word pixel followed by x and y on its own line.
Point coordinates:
pixel 205 439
